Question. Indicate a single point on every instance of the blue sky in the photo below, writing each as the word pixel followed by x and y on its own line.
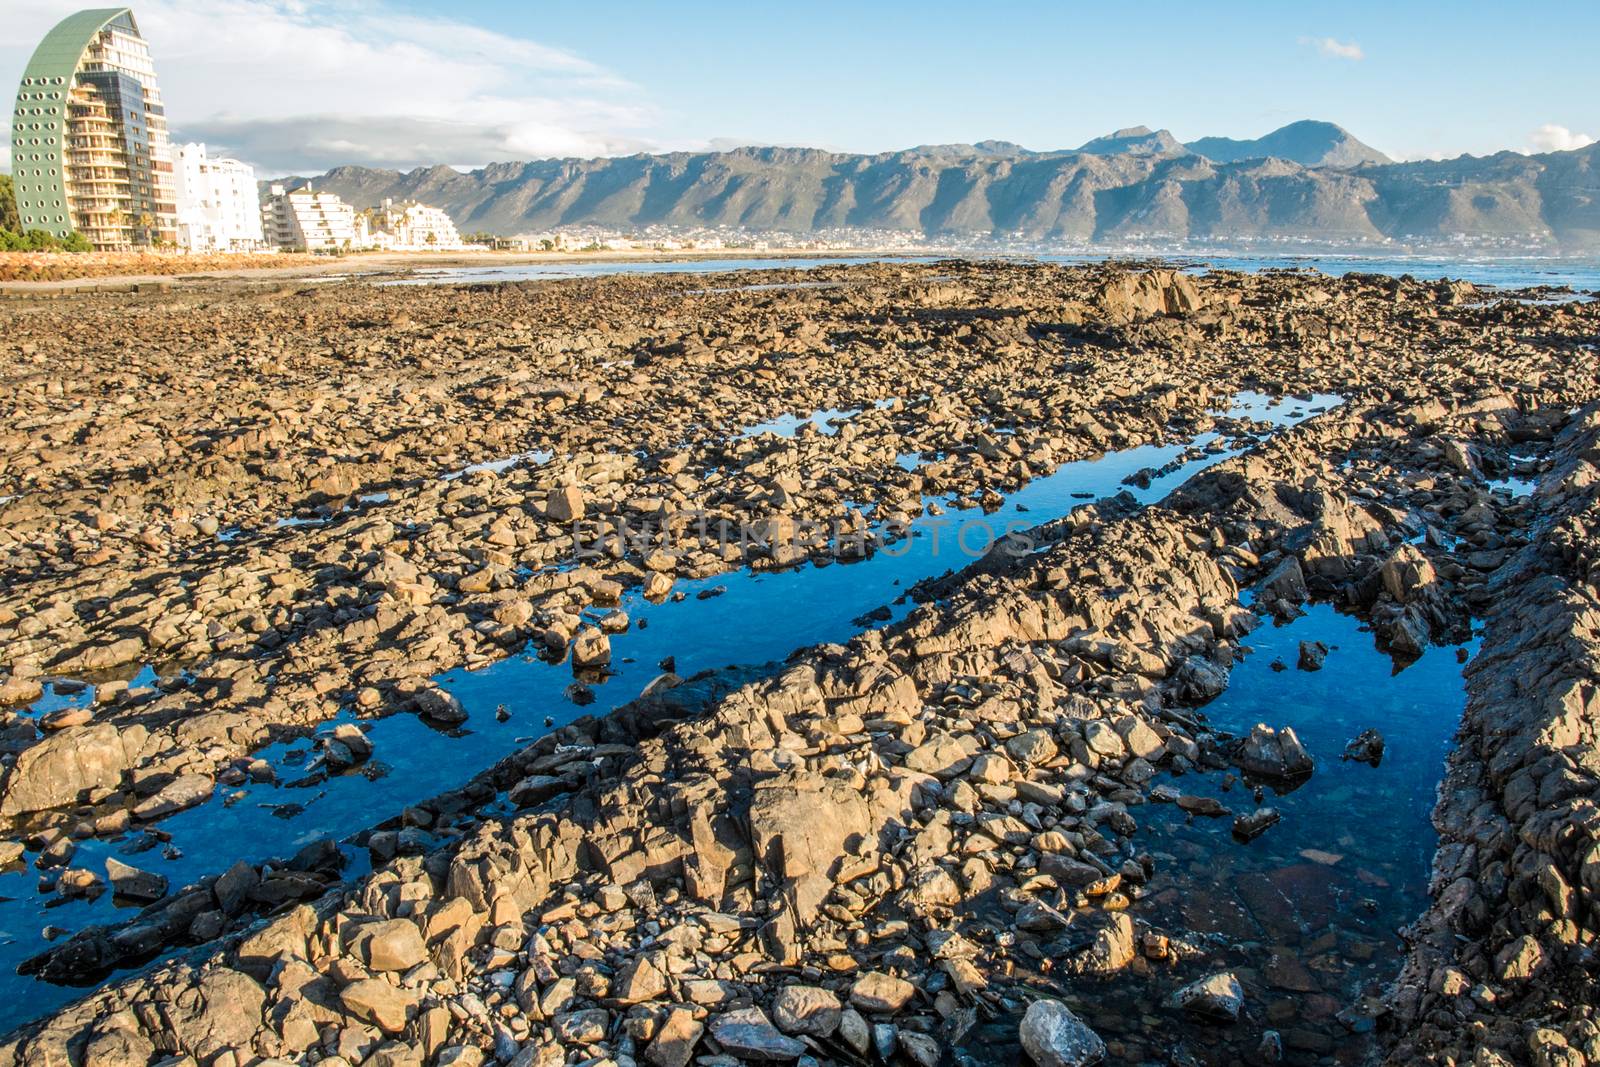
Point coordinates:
pixel 300 85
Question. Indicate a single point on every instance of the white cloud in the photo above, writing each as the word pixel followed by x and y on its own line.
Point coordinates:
pixel 1333 48
pixel 296 86
pixel 1553 138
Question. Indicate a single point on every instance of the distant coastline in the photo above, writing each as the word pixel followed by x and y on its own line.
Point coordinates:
pixel 59 274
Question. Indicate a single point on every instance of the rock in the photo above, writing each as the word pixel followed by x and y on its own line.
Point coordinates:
pixel 1312 655
pixel 1140 740
pixel 1068 870
pixel 1216 998
pixel 68 764
pixel 440 705
pixel 1053 1036
pixel 802 1009
pixel 640 981
pixel 583 1027
pixel 1273 754
pixel 459 1056
pixel 942 756
pixel 920 1049
pixel 1210 807
pixel 1365 747
pixel 1251 825
pixel 1406 574
pixel 131 883
pixel 1286 584
pixel 674 1041
pixel 375 1001
pixel 1520 959
pixel 1199 680
pixel 1111 950
pixel 185 791
pixel 591 648
pixel 390 945
pixel 1033 747
pixel 354 740
pixel 536 789
pixel 799 827
pixel 749 1035
pixel 854 1031
pixel 564 504
pixel 1103 740
pixel 880 993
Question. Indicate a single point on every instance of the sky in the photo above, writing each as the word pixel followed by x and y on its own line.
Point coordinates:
pixel 299 86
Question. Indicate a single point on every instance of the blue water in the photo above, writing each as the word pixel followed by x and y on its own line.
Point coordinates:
pixel 1307 914
pixel 814 603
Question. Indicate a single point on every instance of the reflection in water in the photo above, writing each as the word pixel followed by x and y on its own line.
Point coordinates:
pixel 1307 914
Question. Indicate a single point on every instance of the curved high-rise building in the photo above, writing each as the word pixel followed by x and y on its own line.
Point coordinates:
pixel 89 146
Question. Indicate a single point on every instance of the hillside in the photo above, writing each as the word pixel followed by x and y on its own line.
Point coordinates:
pixel 1309 143
pixel 1133 184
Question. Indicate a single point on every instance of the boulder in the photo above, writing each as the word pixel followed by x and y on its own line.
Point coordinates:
pixel 881 993
pixel 1216 998
pixel 375 1001
pixel 390 945
pixel 591 648
pixel 184 791
pixel 1273 753
pixel 1054 1037
pixel 130 883
pixel 440 705
pixel 675 1039
pixel 806 1009
pixel 564 504
pixel 801 825
pixel 68 764
pixel 749 1035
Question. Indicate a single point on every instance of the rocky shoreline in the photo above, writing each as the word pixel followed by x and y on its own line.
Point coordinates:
pixel 1503 964
pixel 790 866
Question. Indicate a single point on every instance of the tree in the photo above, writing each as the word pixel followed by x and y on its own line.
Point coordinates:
pixel 9 217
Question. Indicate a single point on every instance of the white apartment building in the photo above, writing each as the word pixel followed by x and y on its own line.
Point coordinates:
pixel 219 209
pixel 303 220
pixel 414 228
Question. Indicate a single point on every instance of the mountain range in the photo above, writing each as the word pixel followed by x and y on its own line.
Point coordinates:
pixel 1308 181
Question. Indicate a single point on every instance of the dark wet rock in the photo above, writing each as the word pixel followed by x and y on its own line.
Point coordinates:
pixel 1271 753
pixel 1055 1037
pixel 440 705
pixel 1209 807
pixel 1365 747
pixel 133 884
pixel 1312 655
pixel 1200 680
pixel 1217 998
pixel 1251 825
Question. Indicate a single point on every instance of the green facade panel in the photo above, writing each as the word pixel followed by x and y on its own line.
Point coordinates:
pixel 39 120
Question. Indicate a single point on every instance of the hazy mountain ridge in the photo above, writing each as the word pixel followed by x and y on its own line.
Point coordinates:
pixel 1134 183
